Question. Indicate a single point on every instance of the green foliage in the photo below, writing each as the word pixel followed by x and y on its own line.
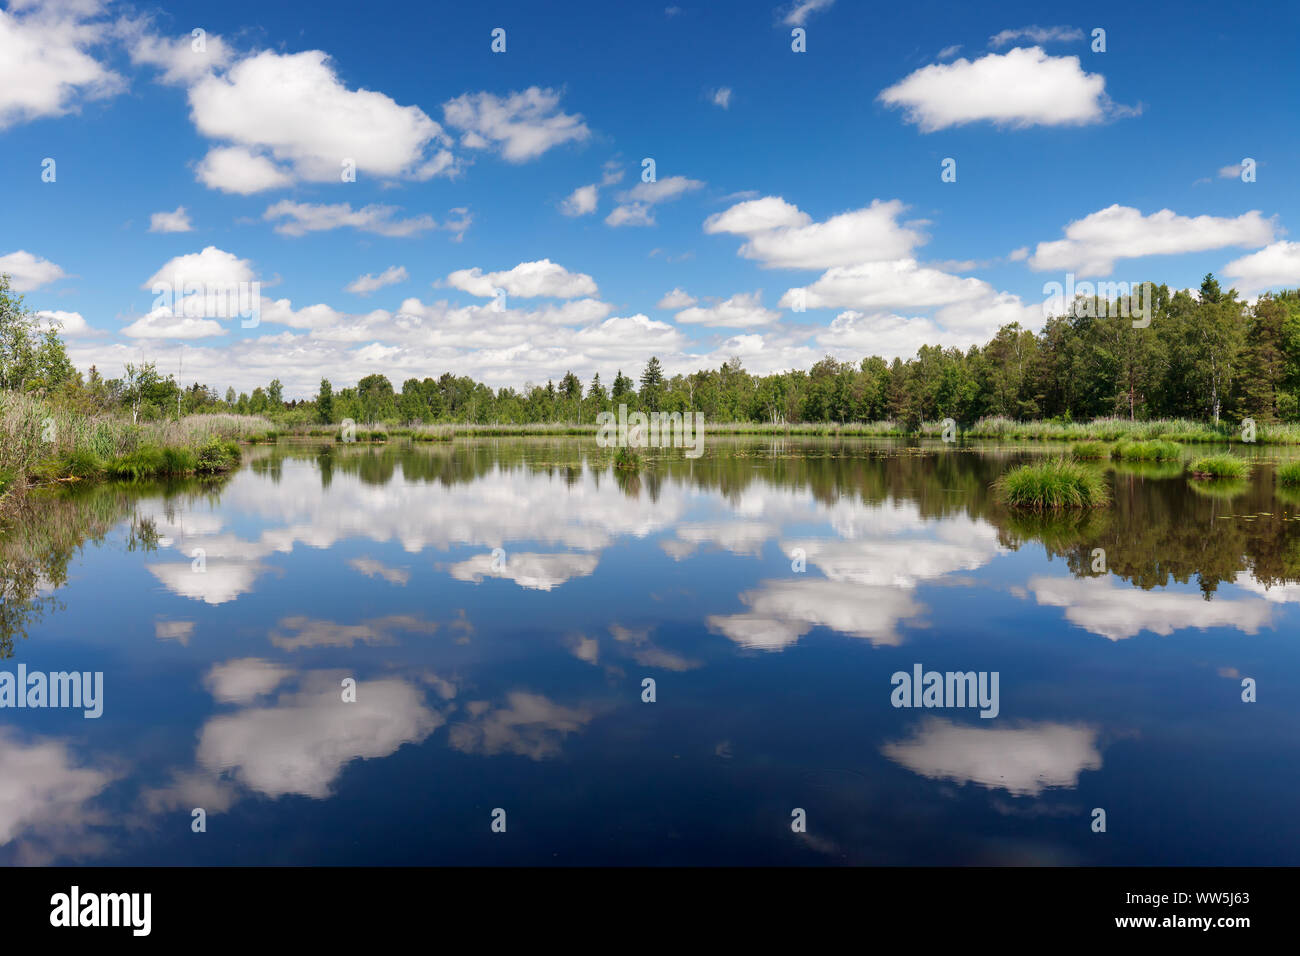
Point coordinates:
pixel 627 459
pixel 80 463
pixel 1052 484
pixel 1220 466
pixel 1289 474
pixel 216 455
pixel 325 403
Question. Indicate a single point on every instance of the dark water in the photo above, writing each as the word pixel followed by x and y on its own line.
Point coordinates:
pixel 225 618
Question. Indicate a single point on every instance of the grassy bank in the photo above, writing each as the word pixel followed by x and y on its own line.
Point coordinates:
pixel 1104 431
pixel 1121 429
pixel 41 442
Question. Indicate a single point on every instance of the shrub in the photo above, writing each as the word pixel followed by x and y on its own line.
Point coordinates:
pixel 217 455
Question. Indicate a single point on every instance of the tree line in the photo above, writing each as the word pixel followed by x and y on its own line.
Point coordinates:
pixel 1209 357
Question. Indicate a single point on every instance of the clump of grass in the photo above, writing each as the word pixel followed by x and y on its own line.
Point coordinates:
pixel 177 460
pixel 267 437
pixel 79 463
pixel 1052 484
pixel 1220 466
pixel 1154 450
pixel 82 463
pixel 627 459
pixel 6 479
pixel 145 462
pixel 1289 474
pixel 1089 450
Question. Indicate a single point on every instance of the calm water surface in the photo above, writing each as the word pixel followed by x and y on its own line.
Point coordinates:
pixel 500 602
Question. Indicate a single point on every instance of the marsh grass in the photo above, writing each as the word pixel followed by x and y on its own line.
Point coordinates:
pixel 1221 467
pixel 1052 484
pixel 1090 451
pixel 1288 475
pixel 1182 430
pixel 627 459
pixel 1152 450
pixel 44 442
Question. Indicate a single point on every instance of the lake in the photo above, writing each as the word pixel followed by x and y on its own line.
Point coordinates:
pixel 441 654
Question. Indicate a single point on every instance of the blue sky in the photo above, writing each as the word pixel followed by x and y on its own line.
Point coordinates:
pixel 775 171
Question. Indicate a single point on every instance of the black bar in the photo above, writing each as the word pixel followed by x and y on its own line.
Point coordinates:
pixel 977 905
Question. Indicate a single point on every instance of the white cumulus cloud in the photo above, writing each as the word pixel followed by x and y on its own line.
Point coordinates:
pixel 1093 244
pixel 1022 87
pixel 523 125
pixel 176 221
pixel 526 280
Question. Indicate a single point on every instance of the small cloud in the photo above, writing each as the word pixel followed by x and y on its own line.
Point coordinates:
pixel 1019 255
pixel 677 299
pixel 178 221
pixel 179 631
pixel 298 219
pixel 377 569
pixel 1036 34
pixel 949 51
pixel 1230 172
pixel 721 97
pixel 461 219
pixel 637 201
pixel 582 201
pixel 797 15
pixel 366 284
pixel 613 173
pixel 631 214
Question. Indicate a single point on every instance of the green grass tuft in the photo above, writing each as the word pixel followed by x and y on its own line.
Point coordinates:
pixel 1289 474
pixel 1055 483
pixel 1221 466
pixel 144 462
